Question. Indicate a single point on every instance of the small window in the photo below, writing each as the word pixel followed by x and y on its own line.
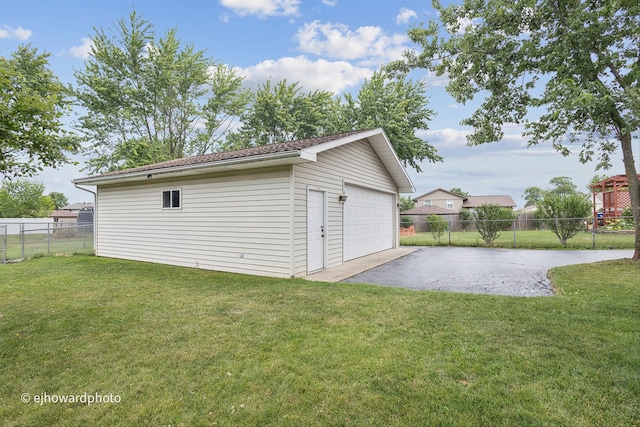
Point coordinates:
pixel 449 204
pixel 426 203
pixel 171 199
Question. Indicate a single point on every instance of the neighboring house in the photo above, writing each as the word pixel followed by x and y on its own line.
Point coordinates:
pixel 448 204
pixel 63 217
pixel 473 202
pixel 440 198
pixel 452 201
pixel 76 207
pixel 284 210
pixel 68 214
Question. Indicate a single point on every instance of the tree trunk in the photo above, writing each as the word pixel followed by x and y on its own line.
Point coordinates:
pixel 634 187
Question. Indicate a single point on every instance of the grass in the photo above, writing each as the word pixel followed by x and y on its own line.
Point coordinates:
pixel 527 239
pixel 187 347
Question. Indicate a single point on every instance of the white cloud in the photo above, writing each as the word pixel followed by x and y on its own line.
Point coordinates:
pixel 405 15
pixel 263 8
pixel 447 136
pixel 330 3
pixel 368 45
pixel 7 32
pixel 82 51
pixel 311 75
pixel 224 18
pixel 431 79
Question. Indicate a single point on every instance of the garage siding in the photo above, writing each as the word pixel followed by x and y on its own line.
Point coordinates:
pixel 355 163
pixel 235 222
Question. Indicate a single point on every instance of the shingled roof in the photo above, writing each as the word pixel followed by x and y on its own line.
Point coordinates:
pixel 429 210
pixel 280 147
pixel 475 201
pixel 272 155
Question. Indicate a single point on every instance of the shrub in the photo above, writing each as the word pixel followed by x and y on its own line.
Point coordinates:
pixel 466 218
pixel 564 214
pixel 406 221
pixel 437 226
pixel 491 220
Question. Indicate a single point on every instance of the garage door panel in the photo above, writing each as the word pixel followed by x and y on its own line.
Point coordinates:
pixel 368 222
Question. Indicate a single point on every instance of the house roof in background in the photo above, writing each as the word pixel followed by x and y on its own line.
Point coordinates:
pixel 77 206
pixel 429 210
pixel 63 214
pixel 475 201
pixel 436 190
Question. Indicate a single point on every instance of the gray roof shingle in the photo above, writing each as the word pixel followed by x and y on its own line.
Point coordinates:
pixel 236 154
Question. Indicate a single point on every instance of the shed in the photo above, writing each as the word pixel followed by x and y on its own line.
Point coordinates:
pixel 284 210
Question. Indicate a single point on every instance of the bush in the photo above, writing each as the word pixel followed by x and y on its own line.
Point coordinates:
pixel 491 220
pixel 466 218
pixel 406 221
pixel 564 214
pixel 437 226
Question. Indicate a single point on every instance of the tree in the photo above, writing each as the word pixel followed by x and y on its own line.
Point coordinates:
pixel 466 218
pixel 596 179
pixel 562 185
pixel 281 113
pixel 459 192
pixel 149 100
pixel 406 203
pixel 437 226
pixel 399 106
pixel 491 220
pixel 33 103
pixel 564 213
pixel 577 59
pixel 24 199
pixel 59 199
pixel 532 196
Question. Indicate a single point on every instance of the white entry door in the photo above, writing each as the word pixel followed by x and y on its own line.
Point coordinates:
pixel 368 222
pixel 316 230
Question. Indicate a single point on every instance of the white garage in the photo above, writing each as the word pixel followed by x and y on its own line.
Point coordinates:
pixel 368 222
pixel 286 210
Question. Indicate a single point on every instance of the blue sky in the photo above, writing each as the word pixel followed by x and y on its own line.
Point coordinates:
pixel 322 44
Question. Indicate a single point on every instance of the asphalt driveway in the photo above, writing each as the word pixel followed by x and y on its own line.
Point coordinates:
pixel 517 272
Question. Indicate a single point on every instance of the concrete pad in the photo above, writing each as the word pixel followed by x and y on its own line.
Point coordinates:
pixel 359 265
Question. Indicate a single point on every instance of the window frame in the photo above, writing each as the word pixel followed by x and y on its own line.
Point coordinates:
pixel 171 192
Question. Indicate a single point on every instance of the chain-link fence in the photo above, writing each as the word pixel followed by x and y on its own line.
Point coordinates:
pixel 524 232
pixel 25 240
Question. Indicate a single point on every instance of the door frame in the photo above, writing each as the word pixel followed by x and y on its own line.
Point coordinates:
pixel 324 215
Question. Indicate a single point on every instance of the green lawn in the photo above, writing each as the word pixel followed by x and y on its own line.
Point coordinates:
pixel 187 347
pixel 528 239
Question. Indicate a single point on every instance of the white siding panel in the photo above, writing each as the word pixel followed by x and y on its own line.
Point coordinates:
pixel 355 163
pixel 238 222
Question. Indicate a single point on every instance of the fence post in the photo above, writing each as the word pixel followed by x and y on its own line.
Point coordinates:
pixel 48 238
pixel 593 233
pixel 514 233
pixel 4 248
pixel 84 236
pixel 22 237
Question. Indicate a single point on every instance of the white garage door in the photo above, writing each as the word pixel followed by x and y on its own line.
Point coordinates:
pixel 368 222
